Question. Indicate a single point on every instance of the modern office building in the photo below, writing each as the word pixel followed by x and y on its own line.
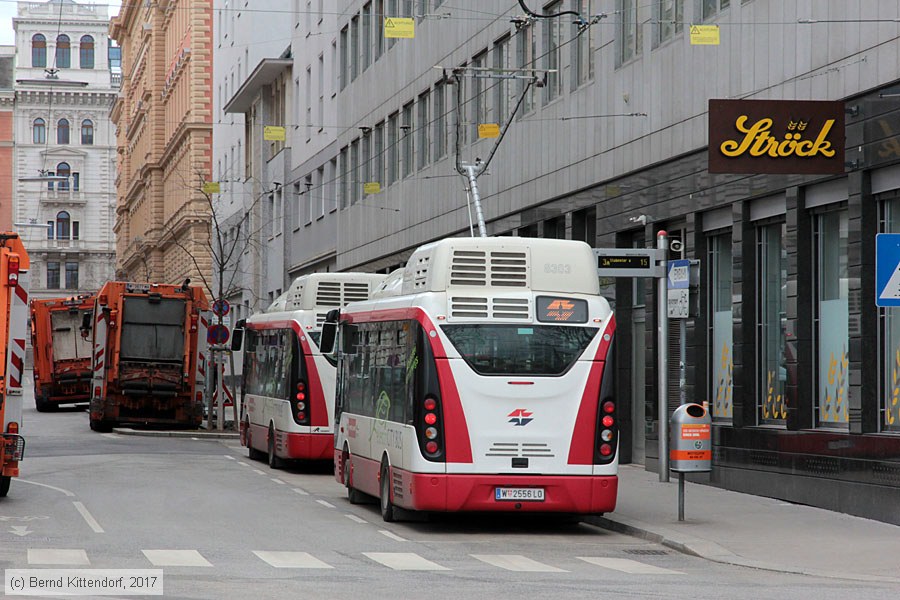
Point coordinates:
pixel 163 117
pixel 64 167
pixel 608 142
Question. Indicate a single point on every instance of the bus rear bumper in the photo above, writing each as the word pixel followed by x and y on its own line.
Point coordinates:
pixel 303 446
pixel 478 493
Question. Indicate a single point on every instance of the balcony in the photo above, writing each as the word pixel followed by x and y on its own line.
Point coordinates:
pixel 57 245
pixel 63 197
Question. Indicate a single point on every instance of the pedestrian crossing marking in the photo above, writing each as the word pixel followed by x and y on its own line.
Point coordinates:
pixel 516 562
pixel 404 561
pixel 291 560
pixel 50 556
pixel 176 558
pixel 626 565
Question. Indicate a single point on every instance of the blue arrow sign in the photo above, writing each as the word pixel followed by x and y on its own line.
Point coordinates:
pixel 679 275
pixel 887 269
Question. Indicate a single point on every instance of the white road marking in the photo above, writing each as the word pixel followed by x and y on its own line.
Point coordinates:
pixel 228 457
pixel 20 530
pixel 46 556
pixel 516 562
pixel 292 560
pixel 176 558
pixel 404 561
pixel 112 436
pixel 326 504
pixel 301 492
pixel 66 492
pixel 278 481
pixel 195 439
pixel 91 521
pixel 391 535
pixel 258 472
pixel 355 518
pixel 243 464
pixel 626 565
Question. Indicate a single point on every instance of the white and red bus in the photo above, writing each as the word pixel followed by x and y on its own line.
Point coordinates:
pixel 287 407
pixel 480 378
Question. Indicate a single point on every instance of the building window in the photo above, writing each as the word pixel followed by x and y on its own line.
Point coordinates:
pixel 365 157
pixel 668 16
pixel 479 106
pixel 378 22
pixel 501 86
pixel 344 74
pixel 50 183
pixel 52 275
pixel 629 31
pixel 320 183
pixel 366 35
pixel 62 131
pixel 771 324
pixel 720 278
pixel 50 226
pixel 63 224
pixel 424 145
pixel 582 51
pixel 832 314
pixel 354 47
pixel 393 149
pixel 87 132
pixel 63 170
pixel 354 172
pixel 38 51
pixel 708 8
pixel 526 51
pixel 332 184
pixel 407 140
pixel 440 120
pixel 76 181
pixel 891 350
pixel 76 230
pixel 308 182
pixel 63 53
pixel 552 42
pixel 378 153
pixel 71 275
pixel 391 11
pixel 39 132
pixel 345 174
pixel 86 52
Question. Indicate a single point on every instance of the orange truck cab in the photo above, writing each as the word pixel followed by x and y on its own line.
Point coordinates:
pixel 149 354
pixel 13 328
pixel 62 351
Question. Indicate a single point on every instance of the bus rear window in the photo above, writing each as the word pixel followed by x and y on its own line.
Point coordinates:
pixel 520 350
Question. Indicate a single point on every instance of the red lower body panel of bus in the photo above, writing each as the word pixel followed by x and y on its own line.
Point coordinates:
pixel 294 446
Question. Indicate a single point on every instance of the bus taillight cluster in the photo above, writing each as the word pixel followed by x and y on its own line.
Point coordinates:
pixel 607 434
pixel 301 412
pixel 432 428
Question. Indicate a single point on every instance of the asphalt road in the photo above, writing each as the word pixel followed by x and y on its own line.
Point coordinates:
pixel 222 526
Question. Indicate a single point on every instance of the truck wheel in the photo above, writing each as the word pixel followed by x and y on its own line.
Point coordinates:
pixel 353 495
pixel 274 461
pixel 387 507
pixel 101 426
pixel 4 485
pixel 42 405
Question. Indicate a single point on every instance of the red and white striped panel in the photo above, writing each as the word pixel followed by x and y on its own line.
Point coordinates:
pixel 18 326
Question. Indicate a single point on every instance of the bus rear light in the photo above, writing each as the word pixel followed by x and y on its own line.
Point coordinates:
pixel 608 421
pixel 430 418
pixel 606 435
pixel 301 416
pixel 301 406
pixel 300 413
pixel 431 447
pixel 605 449
pixel 301 396
pixel 430 404
pixel 431 433
pixel 609 408
pixel 13 428
pixel 301 386
pixel 97 392
pixel 199 397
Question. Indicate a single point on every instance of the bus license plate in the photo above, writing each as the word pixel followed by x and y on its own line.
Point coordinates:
pixel 519 494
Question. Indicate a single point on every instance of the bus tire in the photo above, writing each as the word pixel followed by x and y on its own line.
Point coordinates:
pixel 4 485
pixel 353 495
pixel 100 425
pixel 273 460
pixel 387 507
pixel 253 453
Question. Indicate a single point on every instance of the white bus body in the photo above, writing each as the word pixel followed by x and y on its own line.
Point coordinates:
pixel 481 382
pixel 287 407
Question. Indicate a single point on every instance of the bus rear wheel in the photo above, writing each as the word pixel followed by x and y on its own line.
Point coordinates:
pixel 353 495
pixel 274 461
pixel 4 485
pixel 253 453
pixel 387 507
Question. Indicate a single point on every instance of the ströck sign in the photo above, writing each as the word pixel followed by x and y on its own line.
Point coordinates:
pixel 776 136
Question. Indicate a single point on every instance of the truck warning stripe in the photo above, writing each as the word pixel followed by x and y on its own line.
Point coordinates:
pixel 20 343
pixel 22 293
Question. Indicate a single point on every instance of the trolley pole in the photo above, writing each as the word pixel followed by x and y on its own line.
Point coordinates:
pixel 662 358
pixel 472 174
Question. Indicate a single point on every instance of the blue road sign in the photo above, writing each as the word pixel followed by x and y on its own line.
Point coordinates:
pixel 887 269
pixel 679 275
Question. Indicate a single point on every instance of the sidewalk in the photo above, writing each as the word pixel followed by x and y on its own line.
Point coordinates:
pixel 753 531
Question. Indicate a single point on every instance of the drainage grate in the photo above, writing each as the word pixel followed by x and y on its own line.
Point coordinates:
pixel 647 552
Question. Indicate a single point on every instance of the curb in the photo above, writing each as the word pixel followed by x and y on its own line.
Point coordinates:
pixel 195 434
pixel 713 552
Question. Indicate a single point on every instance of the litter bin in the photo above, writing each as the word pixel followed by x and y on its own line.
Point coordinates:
pixel 690 450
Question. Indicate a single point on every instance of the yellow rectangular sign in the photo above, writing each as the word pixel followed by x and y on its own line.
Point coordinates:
pixel 398 27
pixel 211 187
pixel 273 134
pixel 488 130
pixel 704 35
pixel 372 187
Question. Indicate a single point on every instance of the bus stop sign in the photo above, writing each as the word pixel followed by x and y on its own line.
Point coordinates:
pixel 217 334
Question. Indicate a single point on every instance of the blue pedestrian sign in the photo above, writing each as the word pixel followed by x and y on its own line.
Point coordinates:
pixel 887 269
pixel 679 276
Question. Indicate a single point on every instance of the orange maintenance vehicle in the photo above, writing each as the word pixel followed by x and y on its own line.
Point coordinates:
pixel 13 328
pixel 62 351
pixel 149 355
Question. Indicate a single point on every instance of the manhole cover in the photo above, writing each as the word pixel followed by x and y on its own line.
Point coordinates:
pixel 647 552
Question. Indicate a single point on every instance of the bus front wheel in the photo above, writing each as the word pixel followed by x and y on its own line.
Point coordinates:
pixel 387 507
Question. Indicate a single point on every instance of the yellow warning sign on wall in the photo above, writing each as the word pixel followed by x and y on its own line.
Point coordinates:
pixel 704 35
pixel 488 130
pixel 398 27
pixel 211 187
pixel 371 187
pixel 273 134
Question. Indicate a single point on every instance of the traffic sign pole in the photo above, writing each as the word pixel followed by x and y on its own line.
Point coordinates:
pixel 662 244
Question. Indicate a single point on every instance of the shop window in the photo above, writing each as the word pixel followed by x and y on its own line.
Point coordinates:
pixel 38 51
pixel 832 314
pixel 720 274
pixel 771 324
pixel 890 420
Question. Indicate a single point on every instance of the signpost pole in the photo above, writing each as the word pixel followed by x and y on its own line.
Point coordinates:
pixel 662 358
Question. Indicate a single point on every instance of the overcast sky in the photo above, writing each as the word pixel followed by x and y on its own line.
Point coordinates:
pixel 8 11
